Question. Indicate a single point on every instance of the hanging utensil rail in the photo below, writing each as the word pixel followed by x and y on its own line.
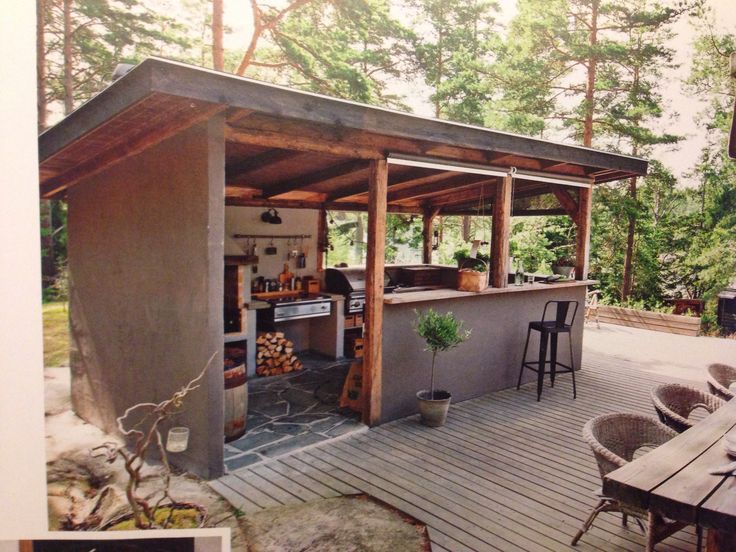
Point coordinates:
pixel 274 236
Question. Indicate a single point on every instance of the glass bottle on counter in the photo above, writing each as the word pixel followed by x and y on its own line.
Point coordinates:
pixel 519 276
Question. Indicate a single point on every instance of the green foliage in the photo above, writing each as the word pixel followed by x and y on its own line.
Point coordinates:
pixel 343 48
pixel 441 332
pixel 105 33
pixel 347 237
pixel 453 51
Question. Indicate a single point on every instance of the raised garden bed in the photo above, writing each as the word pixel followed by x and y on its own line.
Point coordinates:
pixel 657 321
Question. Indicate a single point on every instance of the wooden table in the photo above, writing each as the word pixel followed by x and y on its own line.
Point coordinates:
pixel 673 480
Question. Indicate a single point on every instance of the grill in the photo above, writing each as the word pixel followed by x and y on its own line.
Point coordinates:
pixel 727 308
pixel 350 282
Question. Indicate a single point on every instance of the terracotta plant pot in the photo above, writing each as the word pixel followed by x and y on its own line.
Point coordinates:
pixel 433 409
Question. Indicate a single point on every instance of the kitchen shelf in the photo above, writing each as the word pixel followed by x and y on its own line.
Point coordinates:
pixel 234 260
pixel 235 336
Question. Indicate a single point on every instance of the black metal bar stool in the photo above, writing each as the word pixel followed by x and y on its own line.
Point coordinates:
pixel 548 332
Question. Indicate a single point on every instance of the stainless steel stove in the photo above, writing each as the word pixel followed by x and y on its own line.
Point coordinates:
pixel 297 308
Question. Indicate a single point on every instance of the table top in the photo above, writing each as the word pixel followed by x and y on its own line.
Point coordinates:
pixel 673 479
pixel 447 293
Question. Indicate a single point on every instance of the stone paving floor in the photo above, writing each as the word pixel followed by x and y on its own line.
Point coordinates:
pixel 291 411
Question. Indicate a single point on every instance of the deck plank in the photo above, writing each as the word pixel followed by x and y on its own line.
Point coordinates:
pixel 505 473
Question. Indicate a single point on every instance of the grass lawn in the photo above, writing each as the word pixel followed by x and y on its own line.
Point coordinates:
pixel 55 334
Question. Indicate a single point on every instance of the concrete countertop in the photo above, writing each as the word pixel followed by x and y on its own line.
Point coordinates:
pixel 447 293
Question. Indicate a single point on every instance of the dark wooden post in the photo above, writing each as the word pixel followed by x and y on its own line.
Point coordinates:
pixel 427 220
pixel 321 239
pixel 582 250
pixel 500 233
pixel 374 266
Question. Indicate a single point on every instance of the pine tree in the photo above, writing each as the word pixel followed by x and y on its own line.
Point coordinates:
pixel 344 48
pixel 712 255
pixel 590 70
pixel 454 50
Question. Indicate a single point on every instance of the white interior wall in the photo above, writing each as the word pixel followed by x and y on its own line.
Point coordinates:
pixel 247 220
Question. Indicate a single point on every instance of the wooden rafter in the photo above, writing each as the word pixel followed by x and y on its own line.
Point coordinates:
pixel 473 193
pixel 397 179
pixel 243 171
pixel 235 201
pixel 566 200
pixel 456 183
pixel 336 171
pixel 117 152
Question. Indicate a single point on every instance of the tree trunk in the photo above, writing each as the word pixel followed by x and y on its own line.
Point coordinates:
pixel 628 277
pixel 68 63
pixel 466 227
pixel 590 87
pixel 41 64
pixel 218 52
pixel 48 260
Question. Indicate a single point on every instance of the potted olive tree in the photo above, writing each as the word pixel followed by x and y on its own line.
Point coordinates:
pixel 441 332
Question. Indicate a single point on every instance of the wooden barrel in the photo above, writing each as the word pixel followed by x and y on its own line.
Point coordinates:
pixel 236 397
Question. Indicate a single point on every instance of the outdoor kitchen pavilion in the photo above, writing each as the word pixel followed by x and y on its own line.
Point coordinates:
pixel 146 164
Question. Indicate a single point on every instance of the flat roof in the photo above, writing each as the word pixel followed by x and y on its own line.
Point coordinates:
pixel 287 146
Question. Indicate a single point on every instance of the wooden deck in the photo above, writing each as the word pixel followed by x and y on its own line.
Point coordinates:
pixel 506 473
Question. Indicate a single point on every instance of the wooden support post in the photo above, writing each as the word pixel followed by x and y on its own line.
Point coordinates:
pixel 500 233
pixel 374 266
pixel 582 250
pixel 427 235
pixel 321 239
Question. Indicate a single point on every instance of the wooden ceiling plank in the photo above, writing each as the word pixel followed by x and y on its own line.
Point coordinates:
pixel 277 139
pixel 310 204
pixel 119 152
pixel 395 180
pixel 240 172
pixel 452 184
pixel 316 177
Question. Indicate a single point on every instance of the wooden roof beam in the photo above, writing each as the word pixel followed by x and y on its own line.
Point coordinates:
pixel 118 152
pixel 567 202
pixel 451 184
pixel 296 183
pixel 478 193
pixel 361 188
pixel 239 173
pixel 314 204
pixel 275 138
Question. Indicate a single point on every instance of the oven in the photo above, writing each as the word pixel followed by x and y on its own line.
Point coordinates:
pixel 285 309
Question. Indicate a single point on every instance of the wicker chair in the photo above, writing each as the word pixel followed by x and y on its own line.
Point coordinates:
pixel 614 439
pixel 720 376
pixel 674 403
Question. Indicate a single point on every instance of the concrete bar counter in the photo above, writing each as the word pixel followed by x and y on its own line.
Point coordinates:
pixel 489 360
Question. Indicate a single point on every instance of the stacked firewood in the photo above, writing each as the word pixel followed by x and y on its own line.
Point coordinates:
pixel 275 355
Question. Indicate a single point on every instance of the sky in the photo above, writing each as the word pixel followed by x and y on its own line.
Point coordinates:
pixel 680 158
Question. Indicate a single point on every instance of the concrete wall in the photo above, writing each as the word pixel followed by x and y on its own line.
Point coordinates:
pixel 146 277
pixel 488 361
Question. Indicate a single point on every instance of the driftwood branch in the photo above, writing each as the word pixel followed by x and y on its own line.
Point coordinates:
pixel 146 433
